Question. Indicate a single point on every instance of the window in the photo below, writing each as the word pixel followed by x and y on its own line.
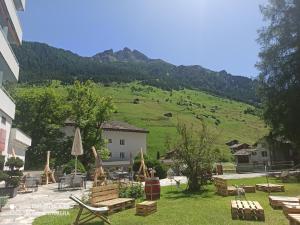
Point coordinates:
pixel 264 154
pixel 122 142
pixel 122 155
pixel 109 140
pixel 3 120
pixel 254 153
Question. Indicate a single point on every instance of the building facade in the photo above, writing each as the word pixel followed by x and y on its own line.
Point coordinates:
pixel 12 141
pixel 125 141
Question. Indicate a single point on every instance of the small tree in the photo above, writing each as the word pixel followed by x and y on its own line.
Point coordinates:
pixel 89 111
pixel 194 150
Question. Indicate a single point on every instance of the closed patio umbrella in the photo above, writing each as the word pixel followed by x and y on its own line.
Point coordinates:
pixel 77 148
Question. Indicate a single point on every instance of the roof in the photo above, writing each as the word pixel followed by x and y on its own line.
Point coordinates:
pixel 122 126
pixel 244 152
pixel 232 142
pixel 239 145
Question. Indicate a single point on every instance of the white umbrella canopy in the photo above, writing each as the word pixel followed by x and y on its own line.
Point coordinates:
pixel 77 148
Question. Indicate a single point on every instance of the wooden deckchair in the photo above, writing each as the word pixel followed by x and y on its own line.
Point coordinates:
pixel 92 212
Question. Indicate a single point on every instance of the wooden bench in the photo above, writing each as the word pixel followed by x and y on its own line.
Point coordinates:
pixel 222 187
pixel 248 188
pixel 108 196
pixel 247 210
pixel 277 201
pixel 270 187
pixel 146 208
pixel 291 209
pixel 294 219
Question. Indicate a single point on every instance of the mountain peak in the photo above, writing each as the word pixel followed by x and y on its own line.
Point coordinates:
pixel 125 55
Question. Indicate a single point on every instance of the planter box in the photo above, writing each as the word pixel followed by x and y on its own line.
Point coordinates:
pixel 9 191
pixel 3 201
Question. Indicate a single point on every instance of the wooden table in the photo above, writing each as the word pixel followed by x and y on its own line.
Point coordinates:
pixel 146 208
pixel 294 219
pixel 277 201
pixel 247 210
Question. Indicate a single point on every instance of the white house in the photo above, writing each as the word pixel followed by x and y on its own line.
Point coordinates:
pixel 124 142
pixel 10 34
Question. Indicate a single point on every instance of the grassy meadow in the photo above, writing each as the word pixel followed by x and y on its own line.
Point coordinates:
pixel 177 207
pixel 225 117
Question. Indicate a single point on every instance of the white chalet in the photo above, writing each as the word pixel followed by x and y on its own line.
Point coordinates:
pixel 124 142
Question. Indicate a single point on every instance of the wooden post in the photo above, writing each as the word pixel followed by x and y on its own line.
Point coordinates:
pixel 142 173
pixel 99 172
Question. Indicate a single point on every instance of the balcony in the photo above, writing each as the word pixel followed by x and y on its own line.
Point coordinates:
pixel 7 104
pixel 20 5
pixel 10 19
pixel 19 138
pixel 8 62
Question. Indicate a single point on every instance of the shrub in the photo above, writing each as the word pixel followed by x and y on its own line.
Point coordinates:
pixel 2 161
pixel 13 163
pixel 13 176
pixel 70 167
pixel 134 191
pixel 161 170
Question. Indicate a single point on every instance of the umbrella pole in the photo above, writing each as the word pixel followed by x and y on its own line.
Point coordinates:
pixel 75 164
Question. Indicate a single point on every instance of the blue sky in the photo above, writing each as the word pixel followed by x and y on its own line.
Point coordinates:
pixel 216 34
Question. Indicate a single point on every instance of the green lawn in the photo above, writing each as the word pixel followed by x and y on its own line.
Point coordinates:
pixel 179 208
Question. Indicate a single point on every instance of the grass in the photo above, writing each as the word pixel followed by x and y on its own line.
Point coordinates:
pixel 184 105
pixel 181 208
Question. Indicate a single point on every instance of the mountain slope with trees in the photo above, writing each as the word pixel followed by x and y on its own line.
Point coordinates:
pixel 40 62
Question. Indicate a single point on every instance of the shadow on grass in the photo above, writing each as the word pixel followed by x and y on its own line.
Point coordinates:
pixel 178 194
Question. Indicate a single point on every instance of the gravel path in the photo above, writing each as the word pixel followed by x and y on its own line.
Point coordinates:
pixel 241 176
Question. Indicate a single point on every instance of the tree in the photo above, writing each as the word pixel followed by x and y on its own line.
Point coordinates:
pixel 280 67
pixel 40 113
pixel 89 111
pixel 194 150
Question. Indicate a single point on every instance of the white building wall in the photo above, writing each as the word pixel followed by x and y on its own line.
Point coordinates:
pixel 7 127
pixel 133 143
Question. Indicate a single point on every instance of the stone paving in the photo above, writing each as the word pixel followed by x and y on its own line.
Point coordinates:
pixel 24 208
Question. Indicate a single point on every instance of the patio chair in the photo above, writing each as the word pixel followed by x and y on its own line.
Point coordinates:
pixel 91 213
pixel 31 183
pixel 77 181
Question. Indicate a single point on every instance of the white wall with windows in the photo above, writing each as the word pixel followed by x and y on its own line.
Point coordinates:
pixel 121 143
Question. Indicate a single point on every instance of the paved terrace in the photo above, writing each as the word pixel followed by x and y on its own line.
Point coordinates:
pixel 24 208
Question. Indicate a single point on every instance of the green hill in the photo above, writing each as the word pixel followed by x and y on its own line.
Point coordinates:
pixel 226 117
pixel 40 62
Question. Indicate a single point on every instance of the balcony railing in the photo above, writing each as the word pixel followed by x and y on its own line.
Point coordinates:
pixel 7 93
pixel 9 44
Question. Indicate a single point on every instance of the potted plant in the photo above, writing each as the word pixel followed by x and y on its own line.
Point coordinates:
pixel 12 177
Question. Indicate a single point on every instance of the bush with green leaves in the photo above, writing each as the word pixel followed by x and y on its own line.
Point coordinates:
pixel 12 177
pixel 160 169
pixel 133 191
pixel 2 162
pixel 70 167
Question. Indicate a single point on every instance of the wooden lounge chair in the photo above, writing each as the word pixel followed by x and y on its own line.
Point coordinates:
pixel 91 213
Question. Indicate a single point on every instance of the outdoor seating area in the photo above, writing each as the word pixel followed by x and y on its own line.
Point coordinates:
pixel 72 181
pixel 108 196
